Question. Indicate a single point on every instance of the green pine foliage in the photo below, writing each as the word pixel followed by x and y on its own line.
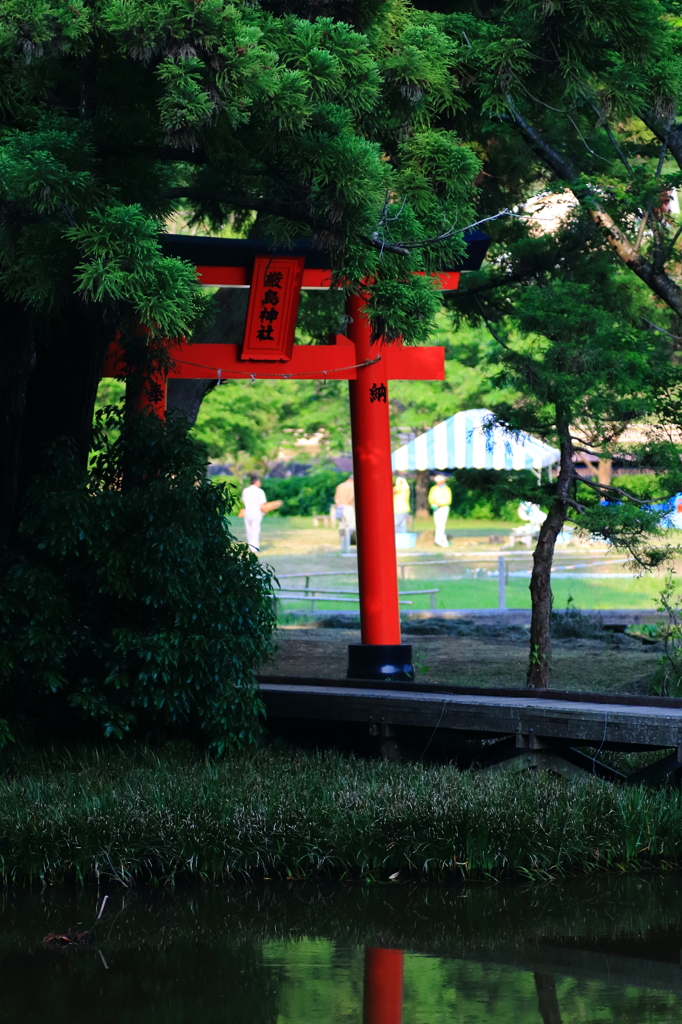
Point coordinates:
pixel 584 99
pixel 586 370
pixel 117 114
pixel 127 607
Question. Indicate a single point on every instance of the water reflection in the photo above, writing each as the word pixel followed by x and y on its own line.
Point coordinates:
pixel 605 951
pixel 382 1001
pixel 383 989
pixel 548 1001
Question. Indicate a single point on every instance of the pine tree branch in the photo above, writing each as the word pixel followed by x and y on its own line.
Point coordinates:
pixel 275 209
pixel 492 283
pixel 585 451
pixel 489 325
pixel 657 280
pixel 242 202
pixel 612 139
pixel 291 212
pixel 403 248
pixel 604 489
pixel 670 134
pixel 655 327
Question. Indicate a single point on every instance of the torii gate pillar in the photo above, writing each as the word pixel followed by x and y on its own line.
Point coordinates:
pixel 381 654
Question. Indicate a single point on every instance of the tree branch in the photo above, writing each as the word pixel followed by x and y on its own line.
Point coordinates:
pixel 668 133
pixel 491 283
pixel 293 212
pixel 243 202
pixel 612 139
pixel 673 242
pixel 489 325
pixel 610 489
pixel 657 280
pixel 675 337
pixel 585 451
pixel 403 248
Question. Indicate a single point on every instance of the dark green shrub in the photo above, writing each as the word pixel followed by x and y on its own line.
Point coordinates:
pixel 476 493
pixel 308 495
pixel 126 602
pixel 667 681
pixel 490 493
pixel 574 624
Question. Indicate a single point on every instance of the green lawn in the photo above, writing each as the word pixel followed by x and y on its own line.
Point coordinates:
pixel 297 535
pixel 469 527
pixel 292 545
pixel 607 593
pixel 474 593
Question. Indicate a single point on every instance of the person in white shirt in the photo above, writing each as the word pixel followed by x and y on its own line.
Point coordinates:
pixel 253 498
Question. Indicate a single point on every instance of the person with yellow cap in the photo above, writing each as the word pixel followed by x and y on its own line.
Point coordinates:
pixel 401 503
pixel 440 500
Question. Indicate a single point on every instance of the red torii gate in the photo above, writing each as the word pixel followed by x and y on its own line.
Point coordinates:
pixel 275 279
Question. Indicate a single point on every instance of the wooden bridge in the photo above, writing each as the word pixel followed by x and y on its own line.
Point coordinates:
pixel 515 728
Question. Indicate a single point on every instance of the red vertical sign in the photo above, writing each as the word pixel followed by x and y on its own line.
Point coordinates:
pixel 273 307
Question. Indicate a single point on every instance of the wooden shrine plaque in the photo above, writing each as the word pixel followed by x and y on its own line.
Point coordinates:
pixel 273 308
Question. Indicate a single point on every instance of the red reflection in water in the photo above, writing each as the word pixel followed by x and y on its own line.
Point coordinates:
pixel 383 990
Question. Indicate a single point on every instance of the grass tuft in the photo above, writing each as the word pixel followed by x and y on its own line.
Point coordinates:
pixel 161 817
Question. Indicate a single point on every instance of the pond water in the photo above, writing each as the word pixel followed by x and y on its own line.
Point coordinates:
pixel 599 951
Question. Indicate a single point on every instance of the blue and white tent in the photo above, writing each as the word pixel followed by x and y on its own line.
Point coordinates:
pixel 465 441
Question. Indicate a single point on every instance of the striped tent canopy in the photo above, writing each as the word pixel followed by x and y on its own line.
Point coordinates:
pixel 464 441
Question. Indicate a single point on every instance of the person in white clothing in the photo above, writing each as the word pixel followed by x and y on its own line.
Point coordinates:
pixel 440 500
pixel 253 498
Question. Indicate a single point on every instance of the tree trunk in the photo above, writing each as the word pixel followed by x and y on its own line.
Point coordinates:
pixel 49 374
pixel 186 396
pixel 421 494
pixel 540 662
pixel 62 388
pixel 17 360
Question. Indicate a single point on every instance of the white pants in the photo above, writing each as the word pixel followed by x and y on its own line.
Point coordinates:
pixel 400 521
pixel 348 516
pixel 252 525
pixel 440 518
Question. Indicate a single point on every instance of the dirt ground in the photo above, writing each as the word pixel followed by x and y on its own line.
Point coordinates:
pixel 616 664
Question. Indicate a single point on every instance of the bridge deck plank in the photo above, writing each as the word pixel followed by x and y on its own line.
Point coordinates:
pixel 572 722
